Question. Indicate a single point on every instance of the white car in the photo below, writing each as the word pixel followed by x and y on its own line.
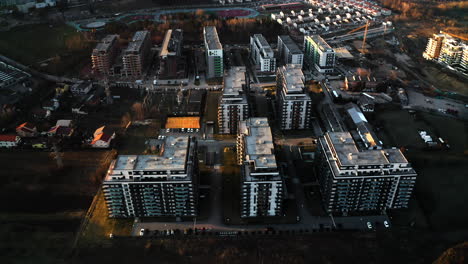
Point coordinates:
pixel 142 232
pixel 386 224
pixel 369 225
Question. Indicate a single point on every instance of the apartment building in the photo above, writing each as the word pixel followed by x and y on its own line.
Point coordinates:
pixel 172 65
pixel 318 54
pixel 451 52
pixel 137 55
pixel 293 102
pixel 261 182
pixel 262 54
pixel 447 50
pixel 289 52
pixel 233 106
pixel 433 47
pixel 213 53
pixel 155 185
pixel 354 180
pixel 104 54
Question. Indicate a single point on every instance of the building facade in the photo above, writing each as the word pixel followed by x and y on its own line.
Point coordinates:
pixel 155 185
pixel 293 102
pixel 213 53
pixel 318 54
pixel 355 181
pixel 289 52
pixel 137 55
pixel 433 47
pixel 104 54
pixel 262 54
pixel 233 106
pixel 261 181
pixel 448 50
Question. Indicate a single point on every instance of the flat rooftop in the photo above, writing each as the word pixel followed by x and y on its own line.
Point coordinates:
pixel 106 43
pixel 173 157
pixel 137 41
pixel 265 48
pixel 234 82
pixel 211 38
pixel 183 122
pixel 292 46
pixel 171 43
pixel 321 42
pixel 259 146
pixel 293 79
pixel 348 154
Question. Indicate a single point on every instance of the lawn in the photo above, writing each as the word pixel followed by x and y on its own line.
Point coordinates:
pixel 32 43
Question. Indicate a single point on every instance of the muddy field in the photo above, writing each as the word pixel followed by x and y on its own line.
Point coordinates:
pixel 441 184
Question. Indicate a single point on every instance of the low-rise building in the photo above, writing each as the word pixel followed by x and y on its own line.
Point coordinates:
pixel 9 141
pixel 81 88
pixel 26 130
pixel 261 181
pixel 356 180
pixel 155 185
pixel 102 137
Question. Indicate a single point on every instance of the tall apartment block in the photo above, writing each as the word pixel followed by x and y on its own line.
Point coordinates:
pixel 213 53
pixel 104 54
pixel 289 52
pixel 433 47
pixel 172 65
pixel 262 54
pixel 318 54
pixel 261 182
pixel 448 50
pixel 293 102
pixel 154 185
pixel 451 52
pixel 137 55
pixel 359 180
pixel 233 106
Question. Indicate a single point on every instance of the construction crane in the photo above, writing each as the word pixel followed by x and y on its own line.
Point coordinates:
pixel 366 26
pixel 359 28
pixel 364 38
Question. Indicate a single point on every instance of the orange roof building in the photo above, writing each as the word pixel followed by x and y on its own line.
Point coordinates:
pixel 183 122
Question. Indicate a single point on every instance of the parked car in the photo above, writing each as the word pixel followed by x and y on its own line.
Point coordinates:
pixel 369 225
pixel 386 224
pixel 142 232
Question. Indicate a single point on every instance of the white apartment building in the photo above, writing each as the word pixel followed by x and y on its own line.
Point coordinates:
pixel 137 55
pixel 293 102
pixel 360 180
pixel 154 185
pixel 262 54
pixel 289 52
pixel 261 182
pixel 318 54
pixel 233 106
pixel 213 53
